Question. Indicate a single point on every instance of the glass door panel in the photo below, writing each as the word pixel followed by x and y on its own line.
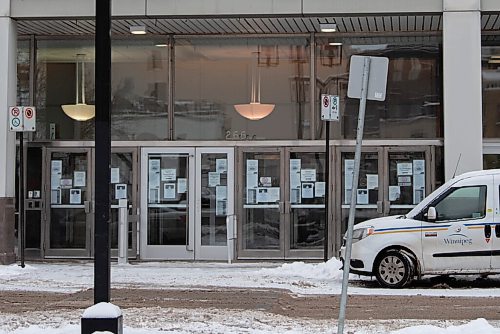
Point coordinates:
pixel 407 182
pixel 122 186
pixel 167 217
pixel 307 203
pixel 262 203
pixel 70 216
pixel 368 195
pixel 215 192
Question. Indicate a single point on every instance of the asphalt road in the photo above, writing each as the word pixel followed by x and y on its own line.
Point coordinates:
pixel 280 302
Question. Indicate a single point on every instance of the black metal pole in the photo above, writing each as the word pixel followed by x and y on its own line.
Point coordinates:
pixel 327 187
pixel 102 273
pixel 21 225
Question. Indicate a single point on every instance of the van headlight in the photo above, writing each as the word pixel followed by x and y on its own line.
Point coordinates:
pixel 361 233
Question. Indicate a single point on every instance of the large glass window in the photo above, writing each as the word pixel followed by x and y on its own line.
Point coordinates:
pixel 490 60
pixel 412 108
pixel 213 74
pixel 139 84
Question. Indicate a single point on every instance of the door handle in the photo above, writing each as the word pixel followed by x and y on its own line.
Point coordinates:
pixel 379 207
pixel 87 206
pixel 487 231
pixel 497 231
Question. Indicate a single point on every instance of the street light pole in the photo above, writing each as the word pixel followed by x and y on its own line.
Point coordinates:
pixel 102 151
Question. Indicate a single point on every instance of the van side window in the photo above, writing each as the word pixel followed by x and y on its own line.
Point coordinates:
pixel 462 203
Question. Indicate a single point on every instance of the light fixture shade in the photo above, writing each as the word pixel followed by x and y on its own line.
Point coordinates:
pixel 79 112
pixel 138 30
pixel 254 110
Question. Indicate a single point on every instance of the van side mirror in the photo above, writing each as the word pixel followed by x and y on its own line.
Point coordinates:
pixel 431 214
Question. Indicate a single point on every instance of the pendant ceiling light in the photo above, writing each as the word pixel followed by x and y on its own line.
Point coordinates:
pixel 80 111
pixel 255 110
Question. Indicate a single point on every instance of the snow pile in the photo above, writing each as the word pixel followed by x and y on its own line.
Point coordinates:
pixel 102 310
pixel 478 326
pixel 324 270
pixel 15 270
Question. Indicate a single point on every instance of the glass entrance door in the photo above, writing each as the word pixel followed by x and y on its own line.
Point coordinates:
pixel 123 186
pixel 261 231
pixel 392 180
pixel 305 208
pixel 214 202
pixel 282 208
pixel 167 203
pixel 70 214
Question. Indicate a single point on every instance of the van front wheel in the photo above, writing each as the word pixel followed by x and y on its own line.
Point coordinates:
pixel 394 269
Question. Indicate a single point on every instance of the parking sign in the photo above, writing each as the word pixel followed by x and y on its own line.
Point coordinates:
pixel 22 118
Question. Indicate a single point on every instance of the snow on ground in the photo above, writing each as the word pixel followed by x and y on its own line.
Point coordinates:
pixel 298 277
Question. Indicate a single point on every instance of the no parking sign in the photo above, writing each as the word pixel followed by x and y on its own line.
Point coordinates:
pixel 22 118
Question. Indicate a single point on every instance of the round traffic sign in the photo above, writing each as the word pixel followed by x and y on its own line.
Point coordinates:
pixel 15 111
pixel 28 112
pixel 326 101
pixel 16 122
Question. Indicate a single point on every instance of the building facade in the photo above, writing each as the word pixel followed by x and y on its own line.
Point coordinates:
pixel 216 119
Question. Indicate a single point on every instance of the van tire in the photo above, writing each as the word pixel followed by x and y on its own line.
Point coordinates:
pixel 394 269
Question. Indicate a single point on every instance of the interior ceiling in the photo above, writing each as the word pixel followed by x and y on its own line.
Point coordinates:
pixel 246 25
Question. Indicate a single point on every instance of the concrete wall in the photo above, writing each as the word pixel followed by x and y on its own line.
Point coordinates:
pixel 8 46
pixel 462 94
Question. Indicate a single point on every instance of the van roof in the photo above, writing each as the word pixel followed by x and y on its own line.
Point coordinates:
pixel 477 173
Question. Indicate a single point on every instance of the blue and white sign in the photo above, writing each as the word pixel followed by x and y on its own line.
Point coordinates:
pixel 22 119
pixel 330 107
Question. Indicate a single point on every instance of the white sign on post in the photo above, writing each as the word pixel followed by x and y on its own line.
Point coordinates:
pixel 22 119
pixel 329 107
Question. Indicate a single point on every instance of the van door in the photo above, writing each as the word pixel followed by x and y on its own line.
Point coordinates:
pixel 495 228
pixel 459 239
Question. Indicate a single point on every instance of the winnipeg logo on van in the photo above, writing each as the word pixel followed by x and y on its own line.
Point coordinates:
pixel 457 239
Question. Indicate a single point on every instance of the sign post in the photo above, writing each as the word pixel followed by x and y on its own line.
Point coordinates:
pixel 367 81
pixel 22 119
pixel 329 112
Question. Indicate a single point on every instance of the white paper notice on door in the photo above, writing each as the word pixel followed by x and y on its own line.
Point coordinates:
pixel 372 181
pixel 169 191
pixel 75 196
pixel 213 179
pixel 308 175
pixel 319 189
pixel 221 165
pixel 348 173
pixel 181 185
pixel 362 196
pixel 55 174
pixel 405 168
pixel 168 174
pixel 154 174
pixel 294 174
pixel 418 167
pixel 221 193
pixel 252 173
pixel 273 194
pixel 120 191
pixel 307 190
pixel 115 175
pixel 262 195
pixel 394 193
pixel 79 179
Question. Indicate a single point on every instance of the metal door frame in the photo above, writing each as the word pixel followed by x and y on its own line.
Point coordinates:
pixel 302 253
pixel 212 252
pixel 88 251
pixel 162 252
pixel 240 165
pixel 134 202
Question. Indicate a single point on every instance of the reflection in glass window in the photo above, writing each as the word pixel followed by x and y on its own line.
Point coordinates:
pixel 490 61
pixel 413 100
pixel 23 73
pixel 463 203
pixel 212 75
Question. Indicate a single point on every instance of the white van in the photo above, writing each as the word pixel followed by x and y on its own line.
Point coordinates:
pixel 455 230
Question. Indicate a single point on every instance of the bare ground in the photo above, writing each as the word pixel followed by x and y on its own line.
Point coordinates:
pixel 378 307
